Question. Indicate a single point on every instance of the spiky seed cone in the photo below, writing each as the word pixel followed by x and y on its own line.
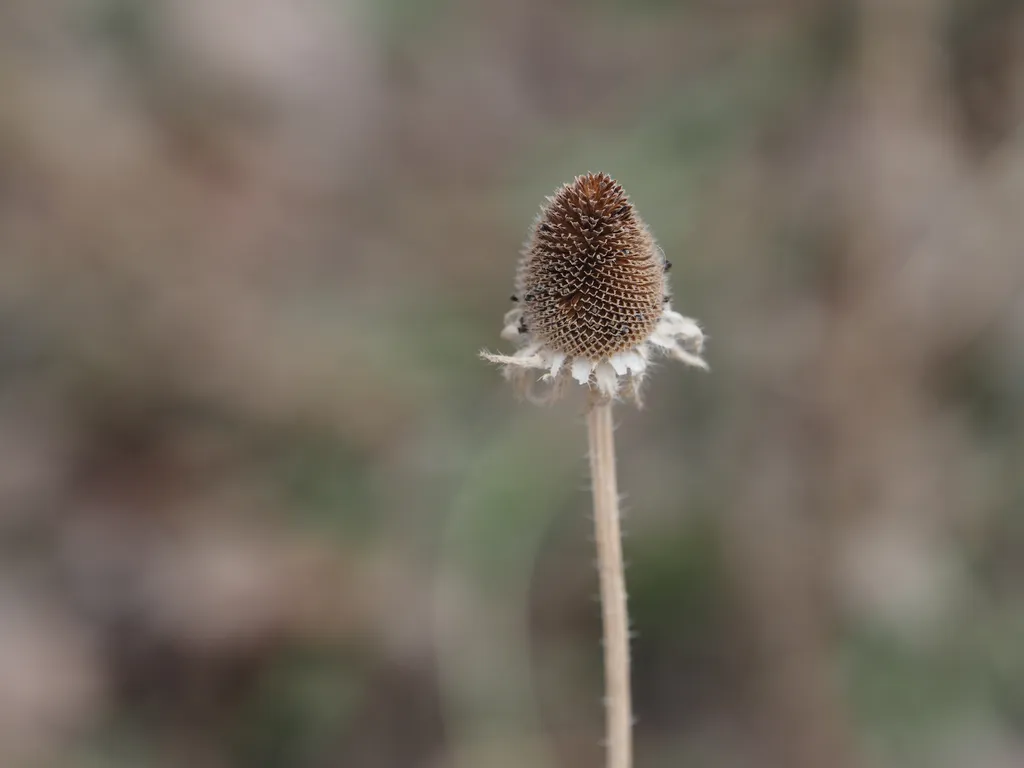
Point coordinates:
pixel 591 280
pixel 592 298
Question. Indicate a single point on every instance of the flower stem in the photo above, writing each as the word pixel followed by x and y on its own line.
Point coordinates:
pixel 619 717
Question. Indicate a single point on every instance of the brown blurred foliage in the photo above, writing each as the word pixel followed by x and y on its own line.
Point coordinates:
pixel 261 506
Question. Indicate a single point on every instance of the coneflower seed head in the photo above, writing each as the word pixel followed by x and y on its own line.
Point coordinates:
pixel 592 281
pixel 592 302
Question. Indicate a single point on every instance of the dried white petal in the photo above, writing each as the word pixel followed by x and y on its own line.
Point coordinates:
pixel 607 379
pixel 618 362
pixel 673 324
pixel 581 368
pixel 527 357
pixel 635 363
pixel 689 358
pixel 517 360
pixel 557 360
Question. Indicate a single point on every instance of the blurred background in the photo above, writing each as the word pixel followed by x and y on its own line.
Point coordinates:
pixel 261 504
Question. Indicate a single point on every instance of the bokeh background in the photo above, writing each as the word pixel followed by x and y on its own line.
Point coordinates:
pixel 261 504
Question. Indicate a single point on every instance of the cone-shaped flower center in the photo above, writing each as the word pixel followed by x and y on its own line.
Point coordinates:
pixel 591 282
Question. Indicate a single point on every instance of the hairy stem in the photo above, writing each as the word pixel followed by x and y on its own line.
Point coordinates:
pixel 619 717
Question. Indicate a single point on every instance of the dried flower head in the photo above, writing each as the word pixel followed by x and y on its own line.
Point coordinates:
pixel 592 298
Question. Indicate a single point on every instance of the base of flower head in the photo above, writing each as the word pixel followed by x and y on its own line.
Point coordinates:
pixel 677 336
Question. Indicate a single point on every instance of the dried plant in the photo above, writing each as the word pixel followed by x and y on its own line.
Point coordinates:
pixel 592 305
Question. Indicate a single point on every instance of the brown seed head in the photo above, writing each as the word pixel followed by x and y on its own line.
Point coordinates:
pixel 591 280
